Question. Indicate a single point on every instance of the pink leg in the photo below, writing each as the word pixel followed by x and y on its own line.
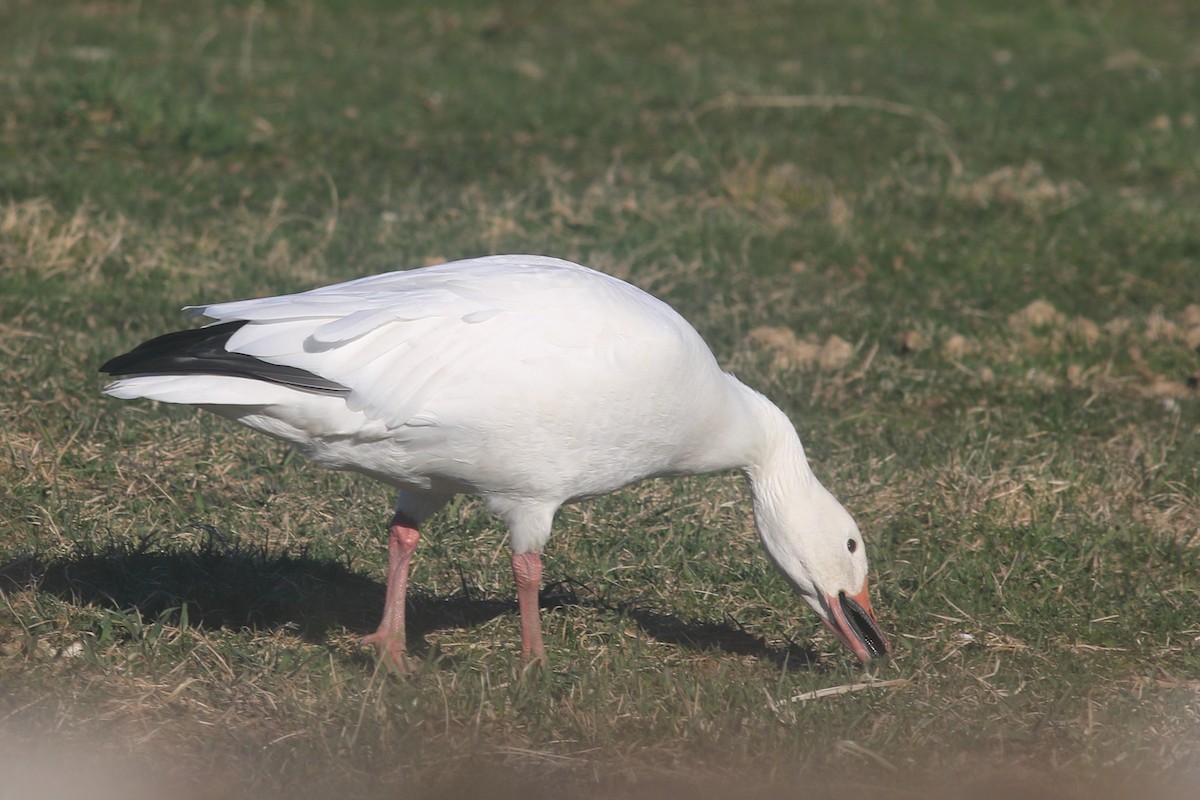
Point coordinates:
pixel 527 569
pixel 389 637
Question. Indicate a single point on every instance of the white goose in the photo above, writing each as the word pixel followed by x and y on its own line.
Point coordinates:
pixel 528 381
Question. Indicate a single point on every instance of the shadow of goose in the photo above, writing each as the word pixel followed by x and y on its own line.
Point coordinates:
pixel 233 587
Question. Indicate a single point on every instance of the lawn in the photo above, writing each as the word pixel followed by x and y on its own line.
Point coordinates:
pixel 958 243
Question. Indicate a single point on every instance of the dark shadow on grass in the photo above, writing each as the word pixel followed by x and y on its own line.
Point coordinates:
pixel 726 637
pixel 232 587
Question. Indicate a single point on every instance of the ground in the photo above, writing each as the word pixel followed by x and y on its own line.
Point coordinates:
pixel 958 244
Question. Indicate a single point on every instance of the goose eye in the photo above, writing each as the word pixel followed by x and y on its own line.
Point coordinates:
pixel 852 545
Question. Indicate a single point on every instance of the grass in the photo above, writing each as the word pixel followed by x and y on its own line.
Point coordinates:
pixel 962 252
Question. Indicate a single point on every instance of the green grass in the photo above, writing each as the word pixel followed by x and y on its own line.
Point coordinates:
pixel 186 598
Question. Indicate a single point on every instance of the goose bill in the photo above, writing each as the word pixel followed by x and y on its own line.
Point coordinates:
pixel 853 620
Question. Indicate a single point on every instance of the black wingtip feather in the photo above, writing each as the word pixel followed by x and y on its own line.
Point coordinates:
pixel 201 351
pixel 170 348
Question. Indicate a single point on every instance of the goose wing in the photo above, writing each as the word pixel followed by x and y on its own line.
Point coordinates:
pixel 497 332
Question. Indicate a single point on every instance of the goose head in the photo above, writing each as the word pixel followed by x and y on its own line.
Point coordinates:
pixel 817 546
pixel 815 543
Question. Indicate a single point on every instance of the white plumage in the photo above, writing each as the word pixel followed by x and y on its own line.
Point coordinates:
pixel 526 380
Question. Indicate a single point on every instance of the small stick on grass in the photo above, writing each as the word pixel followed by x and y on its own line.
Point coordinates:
pixel 834 691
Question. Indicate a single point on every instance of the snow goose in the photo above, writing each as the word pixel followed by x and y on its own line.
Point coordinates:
pixel 528 381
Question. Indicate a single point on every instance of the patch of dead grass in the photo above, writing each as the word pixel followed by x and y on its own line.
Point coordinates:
pixel 35 238
pixel 956 346
pixel 1032 332
pixel 1025 187
pixel 776 192
pixel 790 352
